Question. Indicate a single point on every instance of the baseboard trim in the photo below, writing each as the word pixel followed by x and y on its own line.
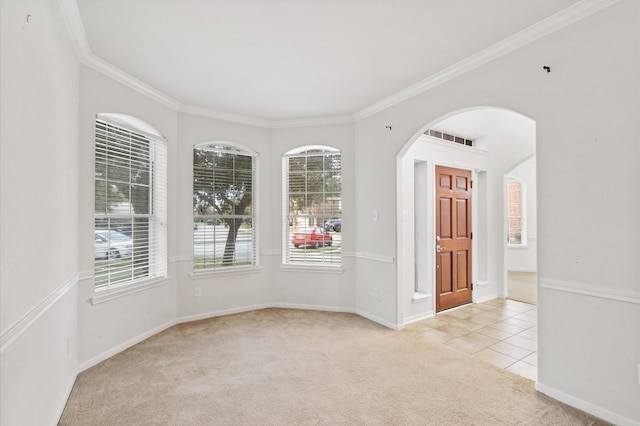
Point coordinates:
pixel 126 345
pixel 213 314
pixel 418 317
pixel 63 401
pixel 379 320
pixel 585 406
pixel 313 307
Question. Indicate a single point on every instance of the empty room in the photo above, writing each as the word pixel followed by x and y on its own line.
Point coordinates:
pixel 175 177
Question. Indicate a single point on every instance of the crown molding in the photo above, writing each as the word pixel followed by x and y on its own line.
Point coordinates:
pixel 221 115
pixel 75 28
pixel 315 121
pixel 547 26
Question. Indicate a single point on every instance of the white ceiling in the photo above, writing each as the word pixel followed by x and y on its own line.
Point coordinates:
pixel 296 59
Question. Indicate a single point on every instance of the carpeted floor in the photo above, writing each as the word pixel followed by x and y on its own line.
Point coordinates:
pixel 293 367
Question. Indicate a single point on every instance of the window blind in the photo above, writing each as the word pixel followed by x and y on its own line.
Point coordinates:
pixel 224 217
pixel 130 205
pixel 312 196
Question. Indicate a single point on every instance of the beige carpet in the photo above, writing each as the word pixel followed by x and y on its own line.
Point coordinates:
pixel 292 367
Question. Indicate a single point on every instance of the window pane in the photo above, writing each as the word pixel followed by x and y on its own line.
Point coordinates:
pixel 223 221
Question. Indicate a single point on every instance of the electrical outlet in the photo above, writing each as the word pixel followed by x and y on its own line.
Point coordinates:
pixel 197 292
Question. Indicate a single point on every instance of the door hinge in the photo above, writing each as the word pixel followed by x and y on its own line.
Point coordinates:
pixel 471 286
pixel 470 184
pixel 471 236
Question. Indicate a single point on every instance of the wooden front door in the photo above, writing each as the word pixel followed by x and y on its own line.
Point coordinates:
pixel 453 237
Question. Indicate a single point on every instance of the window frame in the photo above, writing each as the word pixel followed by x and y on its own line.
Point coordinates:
pixel 523 212
pixel 203 269
pixel 330 263
pixel 147 244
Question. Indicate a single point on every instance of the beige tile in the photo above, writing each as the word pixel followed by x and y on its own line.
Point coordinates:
pixel 529 334
pixel 480 339
pixel 482 320
pixel 494 358
pixel 464 346
pixel 497 315
pixel 511 350
pixel 432 322
pixel 524 369
pixel 531 359
pixel 507 327
pixel 522 342
pixel 495 333
pixel 454 330
pixel 437 336
pixel 457 313
pixel 519 323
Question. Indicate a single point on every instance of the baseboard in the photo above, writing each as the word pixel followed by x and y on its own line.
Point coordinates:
pixel 379 320
pixel 313 307
pixel 485 298
pixel 585 406
pixel 212 314
pixel 63 401
pixel 416 318
pixel 121 347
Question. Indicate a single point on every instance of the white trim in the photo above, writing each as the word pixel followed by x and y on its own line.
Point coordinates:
pixel 585 406
pixel 121 347
pixel 65 396
pixel 175 259
pixel 270 252
pixel 417 317
pixel 106 294
pixel 369 256
pixel 226 116
pixel 30 317
pixel 378 320
pixel 213 314
pixel 128 80
pixel 602 292
pixel 314 121
pixel 305 307
pixel 224 272
pixel 536 31
pixel 326 269
pixel 419 297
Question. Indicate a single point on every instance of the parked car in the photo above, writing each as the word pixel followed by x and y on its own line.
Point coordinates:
pixel 311 237
pixel 333 225
pixel 112 244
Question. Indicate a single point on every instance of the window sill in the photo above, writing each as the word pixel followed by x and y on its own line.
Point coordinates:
pixel 222 272
pixel 517 246
pixel 107 294
pixel 420 297
pixel 312 268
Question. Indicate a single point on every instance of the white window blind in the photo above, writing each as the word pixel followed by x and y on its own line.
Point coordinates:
pixel 130 205
pixel 224 216
pixel 312 195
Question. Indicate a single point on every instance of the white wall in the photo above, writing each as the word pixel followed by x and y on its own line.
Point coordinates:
pixel 38 214
pixel 221 292
pixel 314 287
pixel 110 326
pixel 524 258
pixel 587 129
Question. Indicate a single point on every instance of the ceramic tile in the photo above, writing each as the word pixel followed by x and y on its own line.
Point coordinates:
pixel 511 350
pixel 494 358
pixel 524 369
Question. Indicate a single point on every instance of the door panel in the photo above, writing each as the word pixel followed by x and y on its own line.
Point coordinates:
pixel 453 238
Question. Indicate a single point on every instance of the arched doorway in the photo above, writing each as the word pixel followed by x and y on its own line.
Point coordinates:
pixel 487 142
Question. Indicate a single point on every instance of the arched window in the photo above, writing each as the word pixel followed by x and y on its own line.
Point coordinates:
pixel 312 194
pixel 224 200
pixel 130 201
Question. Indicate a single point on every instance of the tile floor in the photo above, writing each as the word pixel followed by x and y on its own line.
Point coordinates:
pixel 502 332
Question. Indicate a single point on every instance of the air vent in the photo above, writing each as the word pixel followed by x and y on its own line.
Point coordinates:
pixel 449 137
